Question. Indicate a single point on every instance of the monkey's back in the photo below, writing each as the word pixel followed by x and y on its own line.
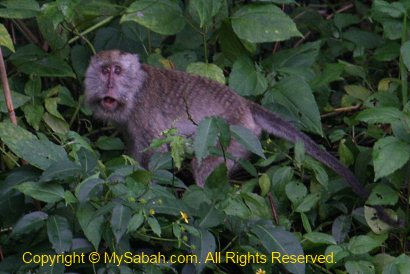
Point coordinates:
pixel 170 97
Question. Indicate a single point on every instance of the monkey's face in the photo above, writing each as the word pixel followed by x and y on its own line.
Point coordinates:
pixel 112 83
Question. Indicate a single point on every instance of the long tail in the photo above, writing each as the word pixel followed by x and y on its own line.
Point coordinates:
pixel 277 126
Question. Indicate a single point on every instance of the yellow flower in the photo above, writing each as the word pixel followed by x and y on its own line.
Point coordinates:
pixel 151 211
pixel 184 216
pixel 260 271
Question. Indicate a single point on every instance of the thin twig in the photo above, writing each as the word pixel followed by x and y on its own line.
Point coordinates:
pixel 273 208
pixel 341 110
pixel 26 32
pixel 6 90
pixel 328 17
pixel 90 29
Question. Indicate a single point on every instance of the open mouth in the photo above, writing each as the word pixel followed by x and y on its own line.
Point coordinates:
pixel 109 102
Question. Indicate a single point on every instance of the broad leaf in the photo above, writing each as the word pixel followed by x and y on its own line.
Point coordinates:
pixel 19 9
pixel 380 115
pixel 39 153
pixel 5 39
pixel 248 139
pixel 29 222
pixel 46 192
pixel 40 64
pixel 296 95
pixel 205 9
pixel 120 218
pixel 263 23
pixel 210 71
pixel 278 241
pixel 59 233
pixel 91 223
pixel 161 16
pixel 389 154
pixel 244 78
pixel 205 137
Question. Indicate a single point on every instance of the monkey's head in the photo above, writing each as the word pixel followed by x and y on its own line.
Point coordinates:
pixel 112 83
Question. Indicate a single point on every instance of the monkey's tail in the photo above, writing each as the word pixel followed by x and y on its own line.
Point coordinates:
pixel 277 126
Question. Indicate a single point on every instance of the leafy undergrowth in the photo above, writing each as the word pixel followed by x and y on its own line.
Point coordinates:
pixel 336 71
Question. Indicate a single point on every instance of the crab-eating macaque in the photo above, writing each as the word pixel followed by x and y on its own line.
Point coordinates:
pixel 143 101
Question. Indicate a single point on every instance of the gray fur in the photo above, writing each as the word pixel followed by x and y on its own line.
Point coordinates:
pixel 152 100
pixel 149 100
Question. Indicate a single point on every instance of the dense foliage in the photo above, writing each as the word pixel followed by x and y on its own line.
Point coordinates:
pixel 336 69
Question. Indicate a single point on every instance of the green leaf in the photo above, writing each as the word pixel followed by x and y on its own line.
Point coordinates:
pixel 56 124
pixel 135 222
pixel 29 223
pixel 5 39
pixel 46 192
pixel 320 238
pixel 154 225
pixel 39 153
pixel 205 244
pixel 59 233
pixel 405 54
pixel 120 219
pixel 374 222
pixel 216 185
pixel 362 267
pixel 263 23
pixel 296 95
pixel 341 227
pixel 343 20
pixel 205 137
pixel 264 184
pixel 380 115
pixel 361 38
pixel 86 188
pixel 61 170
pixel 17 98
pixel 296 192
pixel 358 92
pixel 346 156
pixel 389 154
pixel 33 61
pixel 248 139
pixel 330 73
pixel 318 170
pixel 205 9
pixel 161 16
pixel 257 205
pixel 51 106
pixel 210 217
pixel 91 223
pixel 19 9
pixel 109 143
pixel 244 78
pixel 308 202
pixel 382 194
pixel 34 114
pixel 394 9
pixel 362 244
pixel 210 71
pixel 279 241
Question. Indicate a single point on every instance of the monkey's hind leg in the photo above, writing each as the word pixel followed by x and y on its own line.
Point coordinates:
pixel 203 170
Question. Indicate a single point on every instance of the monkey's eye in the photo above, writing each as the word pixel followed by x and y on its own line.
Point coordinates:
pixel 117 70
pixel 105 70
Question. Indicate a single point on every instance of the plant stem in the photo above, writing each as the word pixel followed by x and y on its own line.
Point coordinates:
pixel 204 35
pixel 90 29
pixel 403 69
pixel 6 90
